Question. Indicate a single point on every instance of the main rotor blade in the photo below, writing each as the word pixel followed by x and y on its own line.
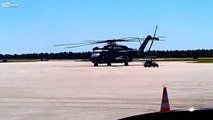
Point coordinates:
pixel 92 42
pixel 151 45
pixel 156 28
pixel 134 39
pixel 127 39
pixel 161 36
pixel 69 44
pixel 162 40
pixel 75 46
pixel 109 41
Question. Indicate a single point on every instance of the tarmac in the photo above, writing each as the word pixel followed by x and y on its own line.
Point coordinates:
pixel 69 90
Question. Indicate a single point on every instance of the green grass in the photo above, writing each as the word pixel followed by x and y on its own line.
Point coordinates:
pixel 200 60
pixel 204 61
pixel 191 60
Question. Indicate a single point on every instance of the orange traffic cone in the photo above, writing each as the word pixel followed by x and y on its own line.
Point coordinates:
pixel 165 101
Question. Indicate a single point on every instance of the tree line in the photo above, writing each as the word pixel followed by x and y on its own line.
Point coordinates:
pixel 86 55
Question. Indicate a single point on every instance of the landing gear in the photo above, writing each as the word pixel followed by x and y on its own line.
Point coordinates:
pixel 109 64
pixel 126 63
pixel 96 64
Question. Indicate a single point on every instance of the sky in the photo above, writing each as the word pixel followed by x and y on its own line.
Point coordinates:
pixel 35 26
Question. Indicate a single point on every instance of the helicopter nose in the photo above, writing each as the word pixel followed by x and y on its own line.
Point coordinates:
pixel 94 57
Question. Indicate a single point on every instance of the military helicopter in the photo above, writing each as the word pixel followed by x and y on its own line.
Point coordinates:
pixel 113 52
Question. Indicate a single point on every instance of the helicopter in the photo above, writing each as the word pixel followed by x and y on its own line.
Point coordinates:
pixel 113 52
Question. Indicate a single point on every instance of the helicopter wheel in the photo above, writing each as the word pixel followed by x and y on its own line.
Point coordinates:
pixel 95 64
pixel 109 64
pixel 126 64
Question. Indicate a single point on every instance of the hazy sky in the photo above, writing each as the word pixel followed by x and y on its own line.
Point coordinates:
pixel 29 26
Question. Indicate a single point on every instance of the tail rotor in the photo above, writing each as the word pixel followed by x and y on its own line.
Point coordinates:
pixel 154 38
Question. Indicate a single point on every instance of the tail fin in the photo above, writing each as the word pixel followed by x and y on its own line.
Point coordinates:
pixel 165 101
pixel 148 38
pixel 145 42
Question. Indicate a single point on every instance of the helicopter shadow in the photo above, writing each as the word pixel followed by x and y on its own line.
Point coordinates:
pixel 115 65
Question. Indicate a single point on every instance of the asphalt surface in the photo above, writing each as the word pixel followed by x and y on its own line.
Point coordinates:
pixel 68 90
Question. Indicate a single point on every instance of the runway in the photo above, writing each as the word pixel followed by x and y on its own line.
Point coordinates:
pixel 69 90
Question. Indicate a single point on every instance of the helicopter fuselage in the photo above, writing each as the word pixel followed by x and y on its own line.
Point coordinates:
pixel 113 53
